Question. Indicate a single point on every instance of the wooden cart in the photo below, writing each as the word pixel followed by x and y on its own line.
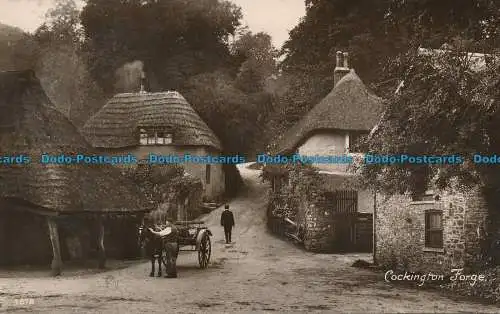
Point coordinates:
pixel 194 236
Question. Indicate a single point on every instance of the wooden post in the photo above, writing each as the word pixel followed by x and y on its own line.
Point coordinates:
pixel 100 242
pixel 56 247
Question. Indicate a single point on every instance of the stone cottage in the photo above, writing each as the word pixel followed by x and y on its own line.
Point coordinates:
pixel 56 212
pixel 334 127
pixel 434 232
pixel 163 124
pixel 438 230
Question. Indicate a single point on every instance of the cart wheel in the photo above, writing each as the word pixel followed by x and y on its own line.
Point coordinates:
pixel 204 251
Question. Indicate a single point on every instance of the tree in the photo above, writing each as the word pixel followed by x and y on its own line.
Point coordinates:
pixel 62 24
pixel 446 107
pixel 227 110
pixel 18 50
pixel 376 34
pixel 62 66
pixel 175 39
pixel 258 61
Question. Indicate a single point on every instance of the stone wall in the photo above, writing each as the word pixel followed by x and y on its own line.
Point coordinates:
pixel 319 230
pixel 400 232
pixel 333 233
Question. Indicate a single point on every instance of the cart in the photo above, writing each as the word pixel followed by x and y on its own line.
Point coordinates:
pixel 194 236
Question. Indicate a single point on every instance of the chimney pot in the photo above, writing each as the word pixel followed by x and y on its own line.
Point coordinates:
pixel 346 60
pixel 339 63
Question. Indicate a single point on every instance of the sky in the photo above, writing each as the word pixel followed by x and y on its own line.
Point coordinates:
pixel 275 17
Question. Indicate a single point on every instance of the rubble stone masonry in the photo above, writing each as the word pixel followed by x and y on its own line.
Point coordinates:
pixel 319 230
pixel 400 232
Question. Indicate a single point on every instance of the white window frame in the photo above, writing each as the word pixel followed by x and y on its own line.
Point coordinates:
pixel 150 136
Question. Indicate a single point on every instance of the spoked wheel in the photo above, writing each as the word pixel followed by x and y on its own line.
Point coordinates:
pixel 204 251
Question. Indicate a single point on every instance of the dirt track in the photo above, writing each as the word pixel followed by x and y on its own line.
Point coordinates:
pixel 258 273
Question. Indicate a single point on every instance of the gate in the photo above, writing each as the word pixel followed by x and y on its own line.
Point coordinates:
pixel 343 207
pixel 341 202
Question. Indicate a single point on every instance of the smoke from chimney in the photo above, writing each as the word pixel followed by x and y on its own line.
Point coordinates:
pixel 130 77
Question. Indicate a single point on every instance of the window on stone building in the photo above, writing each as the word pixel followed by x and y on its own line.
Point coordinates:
pixel 434 229
pixel 426 196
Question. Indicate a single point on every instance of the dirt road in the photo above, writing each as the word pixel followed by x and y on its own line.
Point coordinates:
pixel 257 274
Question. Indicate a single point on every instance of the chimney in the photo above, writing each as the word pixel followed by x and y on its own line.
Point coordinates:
pixel 346 60
pixel 342 67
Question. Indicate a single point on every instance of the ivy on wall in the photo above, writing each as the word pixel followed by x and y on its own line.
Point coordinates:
pixel 304 186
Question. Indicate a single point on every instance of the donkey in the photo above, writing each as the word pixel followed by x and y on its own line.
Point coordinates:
pixel 156 241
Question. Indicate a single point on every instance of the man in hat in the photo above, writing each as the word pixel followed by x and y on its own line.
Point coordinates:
pixel 227 221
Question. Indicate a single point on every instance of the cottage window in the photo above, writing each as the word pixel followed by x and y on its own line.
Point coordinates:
pixel 207 174
pixel 155 137
pixel 434 229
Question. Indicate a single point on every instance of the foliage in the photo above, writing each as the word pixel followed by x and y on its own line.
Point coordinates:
pixel 304 187
pixel 62 24
pixel 62 66
pixel 445 108
pixel 374 33
pixel 258 58
pixel 175 39
pixel 229 112
pixel 185 46
pixel 164 183
pixel 18 51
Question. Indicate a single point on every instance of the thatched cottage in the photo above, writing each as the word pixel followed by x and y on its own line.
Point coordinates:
pixel 334 127
pixel 437 230
pixel 160 123
pixel 55 212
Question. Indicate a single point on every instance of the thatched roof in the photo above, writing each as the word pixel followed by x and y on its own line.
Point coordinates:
pixel 349 106
pixel 29 126
pixel 116 124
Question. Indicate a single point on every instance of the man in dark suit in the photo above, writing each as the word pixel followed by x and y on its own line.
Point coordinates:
pixel 227 221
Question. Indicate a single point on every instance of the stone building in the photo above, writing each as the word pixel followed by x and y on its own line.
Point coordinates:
pixel 343 219
pixel 439 230
pixel 160 123
pixel 432 233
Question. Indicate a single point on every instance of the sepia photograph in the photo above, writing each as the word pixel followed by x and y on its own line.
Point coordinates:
pixel 249 156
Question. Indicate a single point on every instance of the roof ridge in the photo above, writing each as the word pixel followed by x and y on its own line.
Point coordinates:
pixel 148 108
pixel 348 106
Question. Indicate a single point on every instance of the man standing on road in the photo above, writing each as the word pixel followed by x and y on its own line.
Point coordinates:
pixel 227 221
